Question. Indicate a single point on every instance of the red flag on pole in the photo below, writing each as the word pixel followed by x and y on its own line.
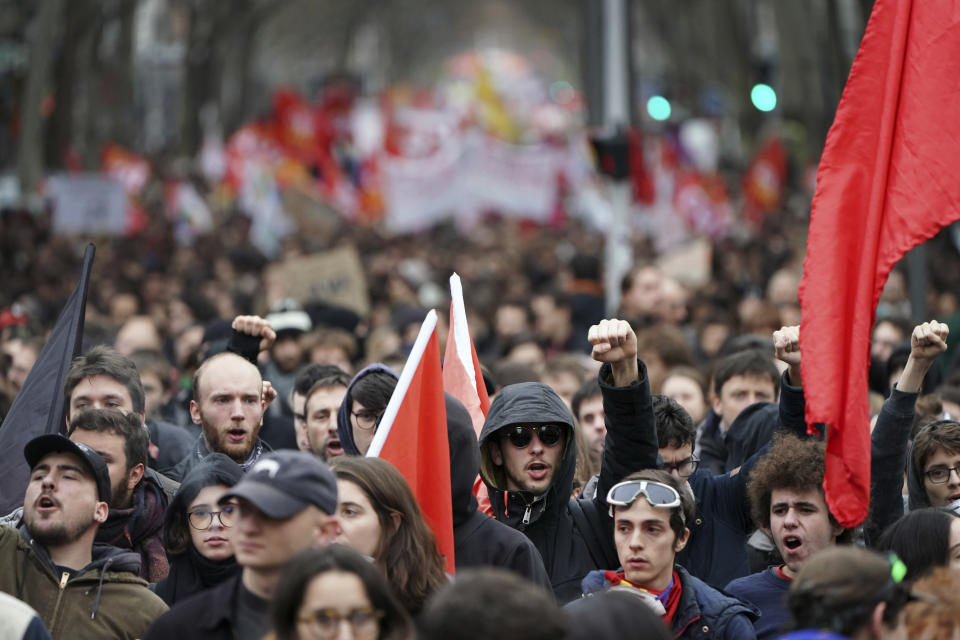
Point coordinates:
pixel 887 182
pixel 462 377
pixel 413 436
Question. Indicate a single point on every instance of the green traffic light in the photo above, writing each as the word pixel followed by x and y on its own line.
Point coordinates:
pixel 763 97
pixel 659 108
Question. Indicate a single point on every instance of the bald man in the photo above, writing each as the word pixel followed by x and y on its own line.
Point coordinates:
pixel 228 404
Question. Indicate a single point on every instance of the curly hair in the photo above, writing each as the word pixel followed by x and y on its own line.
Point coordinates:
pixel 791 463
pixel 408 556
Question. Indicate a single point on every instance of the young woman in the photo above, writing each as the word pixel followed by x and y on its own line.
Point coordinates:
pixel 197 532
pixel 321 589
pixel 380 518
pixel 924 539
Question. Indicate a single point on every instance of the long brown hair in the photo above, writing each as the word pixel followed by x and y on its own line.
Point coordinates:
pixel 407 553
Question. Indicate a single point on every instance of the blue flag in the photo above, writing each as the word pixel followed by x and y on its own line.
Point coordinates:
pixel 38 407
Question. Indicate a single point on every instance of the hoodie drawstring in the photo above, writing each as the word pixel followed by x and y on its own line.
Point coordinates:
pixel 96 600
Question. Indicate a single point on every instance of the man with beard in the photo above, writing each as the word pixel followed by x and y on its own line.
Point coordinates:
pixel 322 402
pixel 228 404
pixel 106 384
pixel 78 590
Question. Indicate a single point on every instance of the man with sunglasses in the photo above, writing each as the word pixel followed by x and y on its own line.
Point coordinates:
pixel 650 511
pixel 528 458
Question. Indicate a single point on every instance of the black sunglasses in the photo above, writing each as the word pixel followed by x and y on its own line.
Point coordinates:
pixel 521 436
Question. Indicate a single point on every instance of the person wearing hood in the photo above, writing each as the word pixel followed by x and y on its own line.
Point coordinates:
pixel 528 458
pixel 480 540
pixel 363 406
pixel 79 589
pixel 197 533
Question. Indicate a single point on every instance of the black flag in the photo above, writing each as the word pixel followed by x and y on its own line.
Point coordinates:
pixel 38 407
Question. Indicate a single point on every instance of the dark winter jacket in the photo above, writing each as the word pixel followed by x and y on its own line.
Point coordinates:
pixel 344 428
pixel 710 447
pixel 171 444
pixel 200 451
pixel 717 552
pixel 208 615
pixel 480 540
pixel 105 599
pixel 573 536
pixel 704 613
pixel 767 591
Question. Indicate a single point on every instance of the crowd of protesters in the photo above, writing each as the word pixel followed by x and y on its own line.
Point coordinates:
pixel 648 476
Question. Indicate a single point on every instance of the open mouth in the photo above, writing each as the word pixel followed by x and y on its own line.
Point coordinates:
pixel 46 502
pixel 537 470
pixel 237 435
pixel 334 448
pixel 954 497
pixel 792 542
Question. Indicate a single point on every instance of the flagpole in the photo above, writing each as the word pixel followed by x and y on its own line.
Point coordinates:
pixel 460 328
pixel 413 361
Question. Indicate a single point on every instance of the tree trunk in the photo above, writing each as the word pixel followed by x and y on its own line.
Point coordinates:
pixel 42 32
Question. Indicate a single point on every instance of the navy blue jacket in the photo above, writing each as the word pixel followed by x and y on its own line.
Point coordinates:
pixel 717 551
pixel 704 613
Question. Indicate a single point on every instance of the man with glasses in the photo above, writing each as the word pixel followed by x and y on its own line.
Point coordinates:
pixel 528 458
pixel 285 504
pixel 362 407
pixel 651 511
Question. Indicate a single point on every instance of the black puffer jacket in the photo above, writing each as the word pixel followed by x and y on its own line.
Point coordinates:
pixel 478 539
pixel 553 522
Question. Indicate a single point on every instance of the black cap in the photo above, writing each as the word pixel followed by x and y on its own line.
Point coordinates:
pixel 283 483
pixel 40 446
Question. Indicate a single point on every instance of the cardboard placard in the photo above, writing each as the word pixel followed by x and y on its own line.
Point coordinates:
pixel 335 277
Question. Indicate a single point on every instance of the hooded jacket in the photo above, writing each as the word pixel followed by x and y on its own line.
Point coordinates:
pixel 553 521
pixel 478 539
pixel 105 599
pixel 344 428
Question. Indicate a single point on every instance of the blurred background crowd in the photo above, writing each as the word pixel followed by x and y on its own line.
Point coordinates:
pixel 332 164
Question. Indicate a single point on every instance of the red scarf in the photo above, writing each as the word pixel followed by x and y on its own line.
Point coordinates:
pixel 670 603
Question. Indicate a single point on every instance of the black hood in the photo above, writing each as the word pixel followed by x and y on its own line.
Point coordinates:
pixel 344 430
pixel 527 403
pixel 464 459
pixel 752 429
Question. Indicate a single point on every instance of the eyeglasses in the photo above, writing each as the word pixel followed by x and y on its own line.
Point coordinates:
pixel 202 518
pixel 366 419
pixel 659 495
pixel 324 623
pixel 685 468
pixel 939 475
pixel 521 436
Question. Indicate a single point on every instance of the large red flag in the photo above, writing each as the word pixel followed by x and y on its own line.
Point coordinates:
pixel 886 182
pixel 413 435
pixel 462 377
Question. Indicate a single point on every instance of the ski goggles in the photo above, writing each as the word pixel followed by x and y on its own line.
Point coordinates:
pixel 521 436
pixel 659 495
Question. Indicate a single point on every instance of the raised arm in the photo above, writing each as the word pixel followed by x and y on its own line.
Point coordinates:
pixel 786 341
pixel 631 440
pixel 888 442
